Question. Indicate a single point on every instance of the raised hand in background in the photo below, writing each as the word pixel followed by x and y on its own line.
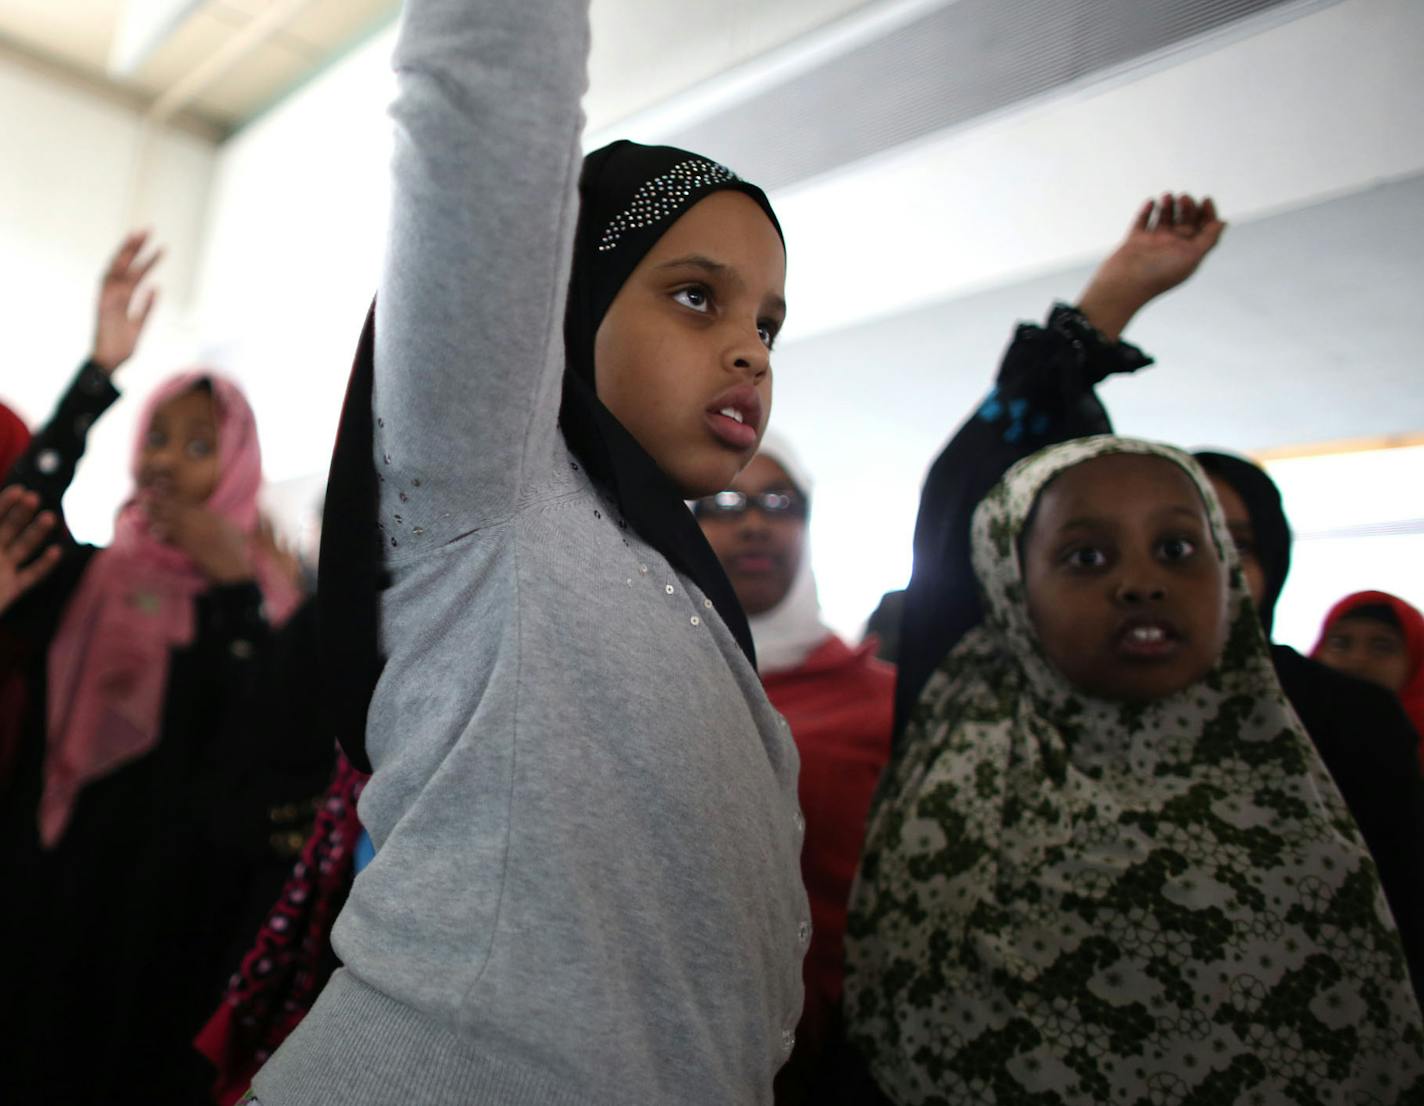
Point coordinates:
pixel 122 312
pixel 23 528
pixel 1165 245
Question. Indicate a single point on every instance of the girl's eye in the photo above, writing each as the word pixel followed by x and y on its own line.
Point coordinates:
pixel 1086 557
pixel 155 439
pixel 199 449
pixel 1177 549
pixel 767 333
pixel 694 297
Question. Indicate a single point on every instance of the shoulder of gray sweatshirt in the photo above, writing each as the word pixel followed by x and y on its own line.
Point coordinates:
pixel 587 885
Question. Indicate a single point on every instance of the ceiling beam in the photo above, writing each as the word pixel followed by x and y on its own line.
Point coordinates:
pixel 142 27
pixel 72 76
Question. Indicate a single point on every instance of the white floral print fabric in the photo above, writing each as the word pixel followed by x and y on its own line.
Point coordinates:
pixel 1065 901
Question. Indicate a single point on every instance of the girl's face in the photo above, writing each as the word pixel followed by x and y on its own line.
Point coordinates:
pixel 1125 590
pixel 759 551
pixel 683 356
pixel 179 456
pixel 1367 649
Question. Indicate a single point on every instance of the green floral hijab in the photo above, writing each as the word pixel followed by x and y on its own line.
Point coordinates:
pixel 1065 900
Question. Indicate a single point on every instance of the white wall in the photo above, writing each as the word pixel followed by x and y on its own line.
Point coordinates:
pixel 1295 112
pixel 65 199
pixel 1270 118
pixel 293 251
pixel 1326 498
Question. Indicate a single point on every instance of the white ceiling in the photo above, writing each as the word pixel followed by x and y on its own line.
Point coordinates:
pixel 648 51
pixel 644 51
pixel 77 36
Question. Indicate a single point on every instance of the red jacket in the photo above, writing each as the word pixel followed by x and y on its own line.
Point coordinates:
pixel 840 705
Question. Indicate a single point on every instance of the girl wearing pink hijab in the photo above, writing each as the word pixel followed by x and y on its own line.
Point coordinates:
pixel 168 711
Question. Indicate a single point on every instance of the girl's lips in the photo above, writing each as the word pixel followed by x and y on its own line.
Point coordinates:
pixel 1147 639
pixel 735 417
pixel 752 564
pixel 736 434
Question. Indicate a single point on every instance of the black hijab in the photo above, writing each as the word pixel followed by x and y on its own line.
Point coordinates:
pixel 1268 521
pixel 629 195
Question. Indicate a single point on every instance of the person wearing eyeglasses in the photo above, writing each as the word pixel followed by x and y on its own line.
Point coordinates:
pixel 839 703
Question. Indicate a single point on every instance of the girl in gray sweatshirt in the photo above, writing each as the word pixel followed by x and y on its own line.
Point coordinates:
pixel 586 885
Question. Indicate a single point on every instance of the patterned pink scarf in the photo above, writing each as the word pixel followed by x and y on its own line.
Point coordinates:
pixel 109 660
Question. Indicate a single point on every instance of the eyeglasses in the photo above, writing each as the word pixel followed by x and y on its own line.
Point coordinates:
pixel 730 504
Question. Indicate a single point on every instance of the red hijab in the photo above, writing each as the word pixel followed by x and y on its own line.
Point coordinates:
pixel 109 660
pixel 14 438
pixel 1411 622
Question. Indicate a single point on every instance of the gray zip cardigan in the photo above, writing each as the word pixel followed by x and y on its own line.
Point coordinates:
pixel 587 885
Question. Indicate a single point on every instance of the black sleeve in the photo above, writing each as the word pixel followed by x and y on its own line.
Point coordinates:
pixel 48 465
pixel 1392 824
pixel 269 746
pixel 1043 395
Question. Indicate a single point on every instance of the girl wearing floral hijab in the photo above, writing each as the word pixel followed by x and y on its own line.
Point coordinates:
pixel 1106 864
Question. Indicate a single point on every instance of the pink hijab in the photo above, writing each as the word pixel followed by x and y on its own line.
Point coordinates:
pixel 109 660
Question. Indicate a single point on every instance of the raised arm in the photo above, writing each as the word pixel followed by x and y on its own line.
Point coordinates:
pixel 1043 394
pixel 121 312
pixel 468 344
pixel 1167 242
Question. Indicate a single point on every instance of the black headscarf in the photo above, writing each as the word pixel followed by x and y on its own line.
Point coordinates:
pixel 1268 521
pixel 629 195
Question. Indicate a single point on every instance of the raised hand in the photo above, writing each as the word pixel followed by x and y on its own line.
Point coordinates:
pixel 23 528
pixel 216 546
pixel 122 313
pixel 1166 243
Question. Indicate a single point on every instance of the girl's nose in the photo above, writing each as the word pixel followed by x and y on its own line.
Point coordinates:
pixel 752 523
pixel 1134 591
pixel 749 357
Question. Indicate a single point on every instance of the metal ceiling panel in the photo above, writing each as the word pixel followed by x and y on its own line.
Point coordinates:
pixel 957 63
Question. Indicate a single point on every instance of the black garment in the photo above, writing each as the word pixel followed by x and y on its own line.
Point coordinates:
pixel 885 622
pixel 629 195
pixel 1043 395
pixel 47 465
pixel 1370 747
pixel 130 923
